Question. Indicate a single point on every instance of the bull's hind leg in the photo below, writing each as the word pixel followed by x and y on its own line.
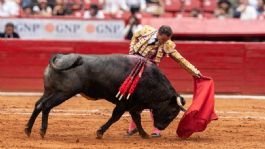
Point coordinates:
pixel 118 111
pixel 34 115
pixel 48 105
pixel 137 119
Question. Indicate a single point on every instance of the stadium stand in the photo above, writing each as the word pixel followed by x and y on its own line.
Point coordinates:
pixel 113 8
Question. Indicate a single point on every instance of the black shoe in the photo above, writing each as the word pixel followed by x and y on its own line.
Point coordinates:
pixel 132 132
pixel 155 135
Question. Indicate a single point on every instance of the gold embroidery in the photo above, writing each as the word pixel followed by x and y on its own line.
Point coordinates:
pixel 142 40
pixel 159 54
pixel 137 41
pixel 150 51
pixel 169 47
pixel 139 44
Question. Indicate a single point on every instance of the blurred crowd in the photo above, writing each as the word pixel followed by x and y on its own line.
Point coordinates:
pixel 101 9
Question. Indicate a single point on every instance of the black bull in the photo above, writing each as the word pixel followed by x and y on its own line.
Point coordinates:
pixel 99 77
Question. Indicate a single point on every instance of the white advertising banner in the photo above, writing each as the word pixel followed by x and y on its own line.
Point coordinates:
pixel 64 29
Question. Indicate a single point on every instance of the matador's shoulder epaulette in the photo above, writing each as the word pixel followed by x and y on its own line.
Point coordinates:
pixel 147 30
pixel 169 47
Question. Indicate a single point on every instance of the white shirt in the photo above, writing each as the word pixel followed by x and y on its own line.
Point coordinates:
pixel 253 3
pixel 100 15
pixel 9 8
pixel 112 6
pixel 43 12
pixel 249 13
pixel 126 4
pixel 153 38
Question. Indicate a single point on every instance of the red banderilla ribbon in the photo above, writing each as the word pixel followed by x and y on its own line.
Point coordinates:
pixel 123 88
pixel 126 84
pixel 136 80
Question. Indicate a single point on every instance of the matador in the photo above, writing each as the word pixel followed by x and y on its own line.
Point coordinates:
pixel 154 45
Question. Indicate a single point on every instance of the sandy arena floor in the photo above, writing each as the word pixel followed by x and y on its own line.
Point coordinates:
pixel 73 124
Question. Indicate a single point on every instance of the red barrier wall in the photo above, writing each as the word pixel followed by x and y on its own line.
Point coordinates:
pixel 235 67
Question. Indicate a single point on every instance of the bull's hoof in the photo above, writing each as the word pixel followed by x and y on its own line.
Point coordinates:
pixel 144 136
pixel 99 134
pixel 27 131
pixel 42 133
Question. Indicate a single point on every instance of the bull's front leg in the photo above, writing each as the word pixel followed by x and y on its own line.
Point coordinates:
pixel 137 119
pixel 116 115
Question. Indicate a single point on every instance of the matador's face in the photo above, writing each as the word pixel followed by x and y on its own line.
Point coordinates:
pixel 162 38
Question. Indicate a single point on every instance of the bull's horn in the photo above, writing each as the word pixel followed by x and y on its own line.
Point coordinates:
pixel 180 105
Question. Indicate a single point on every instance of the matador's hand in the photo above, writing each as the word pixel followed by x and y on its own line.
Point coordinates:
pixel 199 75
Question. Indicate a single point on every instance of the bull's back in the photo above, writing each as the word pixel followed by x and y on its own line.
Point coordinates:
pixel 100 76
pixel 112 70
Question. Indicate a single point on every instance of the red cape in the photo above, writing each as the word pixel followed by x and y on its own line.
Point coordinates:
pixel 201 112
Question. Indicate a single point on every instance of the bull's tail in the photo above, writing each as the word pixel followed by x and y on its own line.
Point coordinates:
pixel 60 62
pixel 181 102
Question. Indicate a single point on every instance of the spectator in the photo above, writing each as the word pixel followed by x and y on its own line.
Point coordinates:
pixel 73 7
pixel 8 8
pixel 26 3
pixel 59 8
pixel 246 11
pixel 133 26
pixel 233 3
pixel 196 13
pixel 253 3
pixel 51 3
pixel 9 31
pixel 112 7
pixel 155 7
pixel 260 8
pixel 27 11
pixel 223 10
pixel 42 8
pixel 93 12
pixel 126 5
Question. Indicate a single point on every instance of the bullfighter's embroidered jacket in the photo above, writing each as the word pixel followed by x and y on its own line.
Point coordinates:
pixel 140 44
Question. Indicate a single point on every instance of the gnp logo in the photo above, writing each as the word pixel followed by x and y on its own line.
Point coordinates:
pixel 67 28
pixel 108 28
pixel 27 27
